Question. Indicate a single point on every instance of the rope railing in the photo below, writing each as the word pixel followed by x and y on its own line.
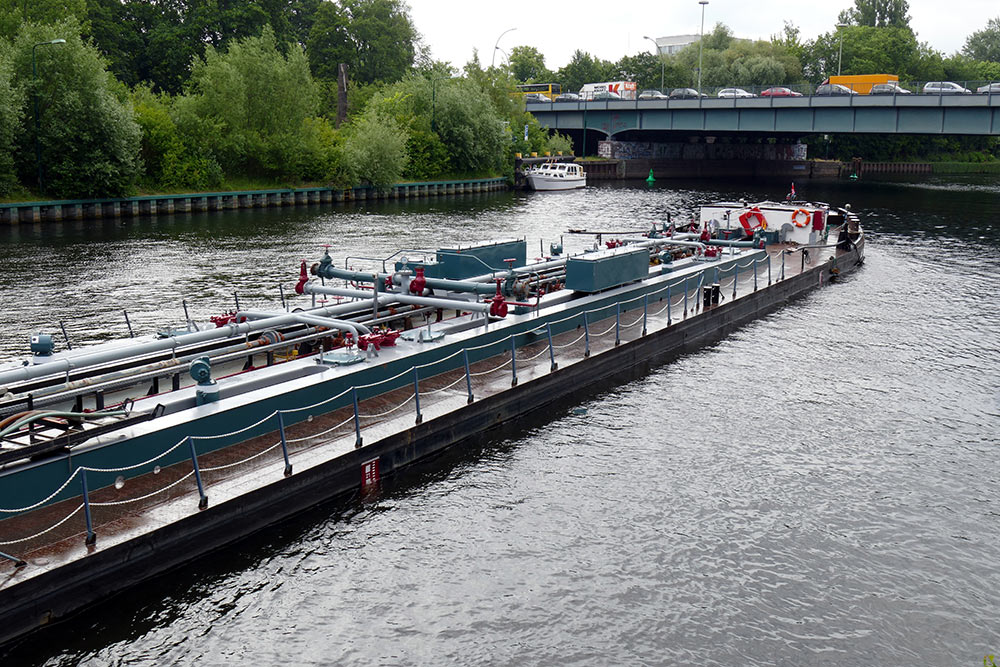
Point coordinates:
pixel 731 272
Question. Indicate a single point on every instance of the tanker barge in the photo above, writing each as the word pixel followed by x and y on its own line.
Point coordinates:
pixel 121 461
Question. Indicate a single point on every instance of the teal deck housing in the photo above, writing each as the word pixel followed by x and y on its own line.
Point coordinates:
pixel 605 269
pixel 461 262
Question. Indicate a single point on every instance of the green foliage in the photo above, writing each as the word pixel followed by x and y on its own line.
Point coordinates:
pixel 527 65
pixel 376 38
pixel 428 156
pixel 728 62
pixel 888 148
pixel 867 50
pixel 251 106
pixel 376 148
pixel 88 137
pixel 12 110
pixel 644 68
pixel 584 68
pixel 46 12
pixel 560 143
pixel 984 44
pixel 877 14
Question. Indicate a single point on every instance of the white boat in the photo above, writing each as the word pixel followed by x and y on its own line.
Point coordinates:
pixel 557 176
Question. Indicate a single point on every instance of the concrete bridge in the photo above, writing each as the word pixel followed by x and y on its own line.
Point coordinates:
pixel 789 117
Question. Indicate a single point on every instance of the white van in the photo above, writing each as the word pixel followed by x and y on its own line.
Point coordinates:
pixel 624 89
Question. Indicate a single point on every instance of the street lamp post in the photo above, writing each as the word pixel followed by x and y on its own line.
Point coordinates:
pixel 701 39
pixel 658 53
pixel 34 92
pixel 497 45
pixel 840 53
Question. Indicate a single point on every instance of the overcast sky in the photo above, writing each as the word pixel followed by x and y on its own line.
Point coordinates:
pixel 610 30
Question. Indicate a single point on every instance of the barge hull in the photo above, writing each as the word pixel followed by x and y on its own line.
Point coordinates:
pixel 61 592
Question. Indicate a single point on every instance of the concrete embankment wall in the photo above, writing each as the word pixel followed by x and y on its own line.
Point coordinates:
pixel 151 205
pixel 63 591
pixel 742 169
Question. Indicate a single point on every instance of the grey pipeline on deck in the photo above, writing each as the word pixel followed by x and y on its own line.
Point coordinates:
pixel 150 205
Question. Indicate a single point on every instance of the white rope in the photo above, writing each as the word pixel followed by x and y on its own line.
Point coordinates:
pixel 236 432
pixel 147 496
pixel 316 405
pixel 606 331
pixel 387 412
pixel 247 459
pixel 375 384
pixel 572 342
pixel 492 370
pixel 535 356
pixel 321 433
pixel 50 528
pixel 446 387
pixel 42 502
pixel 137 465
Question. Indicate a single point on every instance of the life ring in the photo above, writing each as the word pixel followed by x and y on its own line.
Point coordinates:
pixel 795 218
pixel 753 213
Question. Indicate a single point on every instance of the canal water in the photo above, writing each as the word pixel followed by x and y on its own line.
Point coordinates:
pixel 818 488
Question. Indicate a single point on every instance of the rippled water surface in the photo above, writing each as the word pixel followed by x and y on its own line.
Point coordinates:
pixel 819 488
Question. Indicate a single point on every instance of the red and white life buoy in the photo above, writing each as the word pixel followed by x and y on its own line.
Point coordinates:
pixel 795 218
pixel 753 213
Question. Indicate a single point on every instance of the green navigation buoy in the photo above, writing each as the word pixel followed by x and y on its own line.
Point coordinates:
pixel 650 180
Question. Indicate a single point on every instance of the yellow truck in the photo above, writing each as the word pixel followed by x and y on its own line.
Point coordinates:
pixel 862 83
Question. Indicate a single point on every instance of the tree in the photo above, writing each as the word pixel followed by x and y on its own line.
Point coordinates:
pixel 15 12
pixel 877 14
pixel 11 119
pixel 643 68
pixel 376 148
pixel 88 137
pixel 866 50
pixel 330 42
pixel 251 106
pixel 527 65
pixel 583 68
pixel 984 44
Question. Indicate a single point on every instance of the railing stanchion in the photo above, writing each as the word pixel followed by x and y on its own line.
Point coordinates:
pixel 755 264
pixel 202 498
pixel 416 393
pixel 468 373
pixel 686 288
pixel 618 323
pixel 586 336
pixel 284 443
pixel 768 270
pixel 17 561
pixel 645 311
pixel 91 535
pixel 736 277
pixel 357 419
pixel 513 360
pixel 668 306
pixel 782 265
pixel 552 351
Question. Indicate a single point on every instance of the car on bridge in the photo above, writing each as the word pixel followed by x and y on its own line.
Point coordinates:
pixel 829 89
pixel 568 97
pixel 891 88
pixel 779 91
pixel 945 88
pixel 536 97
pixel 685 94
pixel 652 95
pixel 730 93
pixel 606 95
pixel 989 88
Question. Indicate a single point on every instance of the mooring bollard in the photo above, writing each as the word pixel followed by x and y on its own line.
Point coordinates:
pixel 552 353
pixel 357 419
pixel 586 336
pixel 468 373
pixel 202 498
pixel 284 443
pixel 513 360
pixel 416 392
pixel 91 536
